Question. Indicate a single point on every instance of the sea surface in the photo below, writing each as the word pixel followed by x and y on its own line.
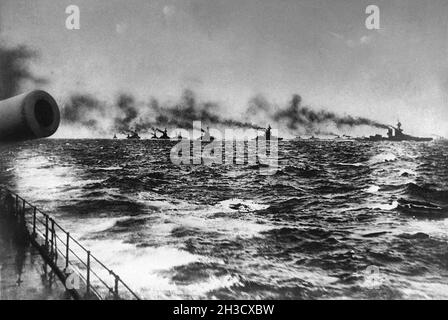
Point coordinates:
pixel 331 216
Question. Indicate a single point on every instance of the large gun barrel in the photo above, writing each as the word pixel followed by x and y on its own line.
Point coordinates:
pixel 28 116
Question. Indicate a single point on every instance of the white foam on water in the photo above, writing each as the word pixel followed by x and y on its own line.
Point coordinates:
pixel 183 206
pixel 160 287
pixel 162 202
pixel 200 289
pixel 356 164
pixel 409 171
pixel 109 168
pixel 436 228
pixel 146 270
pixel 83 227
pixel 42 179
pixel 425 290
pixel 134 260
pixel 248 205
pixel 385 206
pixel 317 277
pixel 372 189
pixel 236 220
pixel 383 157
pixel 232 228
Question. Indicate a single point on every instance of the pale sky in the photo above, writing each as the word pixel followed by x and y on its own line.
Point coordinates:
pixel 231 50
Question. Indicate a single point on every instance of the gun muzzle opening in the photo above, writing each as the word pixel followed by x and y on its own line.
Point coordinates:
pixel 43 112
pixel 29 116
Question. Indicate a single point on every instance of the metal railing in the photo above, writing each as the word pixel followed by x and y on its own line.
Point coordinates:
pixel 65 253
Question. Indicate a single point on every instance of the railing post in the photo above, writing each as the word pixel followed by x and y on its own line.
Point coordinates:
pixel 22 216
pixel 46 232
pixel 34 222
pixel 117 279
pixel 88 272
pixel 17 205
pixel 52 250
pixel 67 250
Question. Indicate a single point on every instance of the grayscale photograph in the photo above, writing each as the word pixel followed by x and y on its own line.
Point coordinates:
pixel 216 150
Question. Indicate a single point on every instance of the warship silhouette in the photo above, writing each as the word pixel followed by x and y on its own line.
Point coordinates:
pixel 268 136
pixel 396 134
pixel 133 135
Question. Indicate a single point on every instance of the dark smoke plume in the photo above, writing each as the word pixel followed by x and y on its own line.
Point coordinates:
pixel 183 113
pixel 257 105
pixel 297 116
pixel 88 111
pixel 126 114
pixel 82 109
pixel 189 109
pixel 14 70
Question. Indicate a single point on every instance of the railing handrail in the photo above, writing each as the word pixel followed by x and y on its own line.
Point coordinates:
pixel 50 223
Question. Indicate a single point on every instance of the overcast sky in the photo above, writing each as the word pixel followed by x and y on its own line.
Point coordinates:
pixel 230 50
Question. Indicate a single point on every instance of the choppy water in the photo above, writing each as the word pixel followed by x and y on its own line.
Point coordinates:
pixel 309 231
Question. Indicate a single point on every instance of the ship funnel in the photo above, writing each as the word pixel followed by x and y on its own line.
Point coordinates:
pixel 28 116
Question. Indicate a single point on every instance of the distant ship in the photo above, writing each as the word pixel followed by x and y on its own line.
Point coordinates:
pixel 179 137
pixel 133 136
pixel 268 136
pixel 164 136
pixel 344 138
pixel 206 137
pixel 396 134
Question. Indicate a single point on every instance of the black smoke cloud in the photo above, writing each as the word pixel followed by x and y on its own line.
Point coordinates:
pixel 127 114
pixel 88 111
pixel 297 116
pixel 15 71
pixel 189 109
pixel 83 109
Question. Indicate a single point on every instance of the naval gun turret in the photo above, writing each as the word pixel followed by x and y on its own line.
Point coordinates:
pixel 28 116
pixel 164 135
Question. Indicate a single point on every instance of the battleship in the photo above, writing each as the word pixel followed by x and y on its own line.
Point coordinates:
pixel 133 135
pixel 396 134
pixel 164 136
pixel 268 136
pixel 206 136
